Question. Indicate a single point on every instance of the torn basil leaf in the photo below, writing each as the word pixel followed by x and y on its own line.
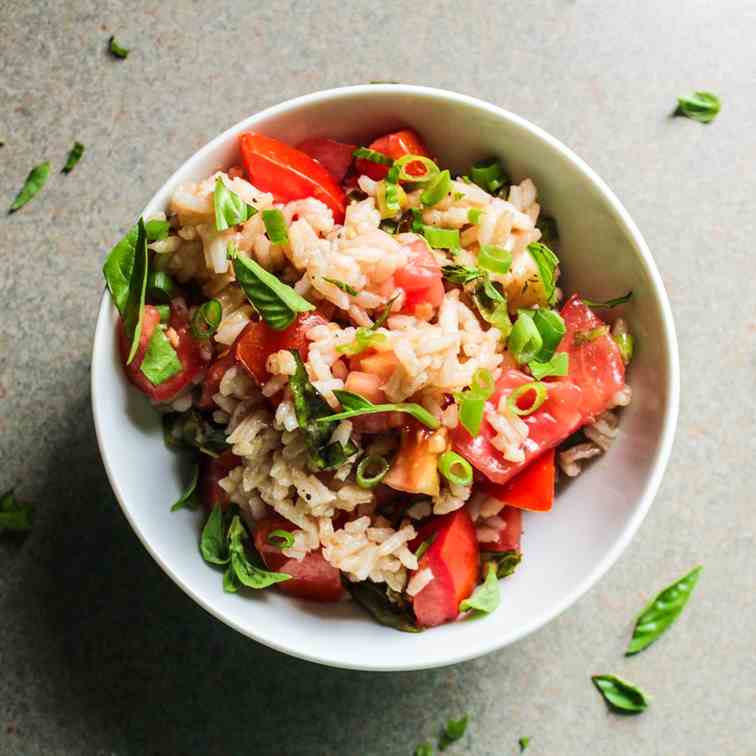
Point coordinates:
pixel 523 743
pixel 230 581
pixel 454 730
pixel 547 263
pixel 160 359
pixel 505 561
pixel 621 695
pixel 492 306
pixel 700 106
pixel 376 600
pixel 355 405
pixel 15 515
pixel 485 598
pixel 190 430
pixel 461 274
pixel 230 208
pixel 157 230
pixel 213 539
pixel 73 157
pixel 424 749
pixel 662 612
pixel 133 313
pixel 247 573
pixel 188 499
pixel 275 226
pixel 32 186
pixel 117 50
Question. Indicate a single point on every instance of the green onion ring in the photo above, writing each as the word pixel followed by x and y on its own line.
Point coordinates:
pixel 447 463
pixel 493 258
pixel 482 383
pixel 436 189
pixel 206 319
pixel 281 539
pixel 364 477
pixel 441 238
pixel 160 287
pixel 541 392
pixel 398 170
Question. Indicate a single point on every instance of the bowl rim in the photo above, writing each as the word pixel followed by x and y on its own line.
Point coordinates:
pixel 664 448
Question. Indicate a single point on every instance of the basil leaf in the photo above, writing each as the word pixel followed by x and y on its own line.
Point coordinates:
pixel 505 561
pixel 188 499
pixel 547 263
pixel 213 539
pixel 609 302
pixel 116 49
pixel 160 359
pixel 453 731
pixel 275 226
pixel 190 430
pixel 133 313
pixel 248 574
pixel 15 515
pixel 384 316
pixel 374 598
pixel 461 274
pixel 357 405
pixel 277 303
pixel 620 695
pixel 424 749
pixel 73 157
pixel 523 743
pixel 345 287
pixel 33 184
pixel 485 599
pixel 230 208
pixel 661 613
pixel 157 229
pixel 492 306
pixel 700 106
pixel 230 581
pixel 559 364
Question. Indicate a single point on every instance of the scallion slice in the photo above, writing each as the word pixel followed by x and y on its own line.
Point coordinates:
pixel 455 468
pixel 372 155
pixel 160 287
pixel 525 340
pixel 586 337
pixel 390 199
pixel 371 471
pixel 488 174
pixel 399 171
pixel 206 319
pixel 364 338
pixel 281 539
pixel 540 392
pixel 275 226
pixel 474 215
pixel 436 189
pixel 550 325
pixel 441 238
pixel 625 342
pixel 472 402
pixel 493 258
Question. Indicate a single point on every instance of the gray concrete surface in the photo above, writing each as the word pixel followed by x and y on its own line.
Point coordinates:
pixel 99 652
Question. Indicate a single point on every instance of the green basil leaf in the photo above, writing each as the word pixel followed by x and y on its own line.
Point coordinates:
pixel 277 303
pixel 247 573
pixel 559 364
pixel 485 598
pixel 157 230
pixel 33 184
pixel 523 743
pixel 620 695
pixel 424 749
pixel 275 226
pixel 190 430
pixel 73 157
pixel 134 309
pixel 358 405
pixel 188 499
pixel 492 305
pixel 230 208
pixel 160 359
pixel 461 274
pixel 160 287
pixel 364 153
pixel 118 267
pixel 213 539
pixel 609 302
pixel 230 581
pixel 505 561
pixel 374 598
pixel 662 612
pixel 547 262
pixel 453 731
pixel 345 287
pixel 700 106
pixel 15 515
pixel 117 50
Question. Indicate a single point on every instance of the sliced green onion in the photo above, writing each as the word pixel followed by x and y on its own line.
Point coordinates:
pixel 540 392
pixel 372 155
pixel 472 402
pixel 483 382
pixel 343 285
pixel 390 199
pixel 364 338
pixel 488 174
pixel 550 325
pixel 547 262
pixel 436 189
pixel 441 238
pixel 371 471
pixel 586 337
pixel 625 342
pixel 493 258
pixel 281 539
pixel 461 274
pixel 525 341
pixel 275 226
pixel 700 106
pixel 455 469
pixel 399 172
pixel 206 319
pixel 165 312
pixel 559 364
pixel 160 287
pixel 119 51
pixel 474 215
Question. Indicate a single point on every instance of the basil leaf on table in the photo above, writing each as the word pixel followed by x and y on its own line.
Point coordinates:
pixel 133 313
pixel 620 695
pixel 188 499
pixel 373 597
pixel 485 598
pixel 160 359
pixel 661 613
pixel 355 405
pixel 117 50
pixel 213 544
pixel 277 303
pixel 505 561
pixel 15 515
pixel 523 743
pixel 230 208
pixel 547 262
pixel 700 106
pixel 32 186
pixel 247 573
pixel 74 156
pixel 424 749
pixel 453 731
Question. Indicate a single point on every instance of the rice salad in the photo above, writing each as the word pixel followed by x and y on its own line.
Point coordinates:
pixel 371 360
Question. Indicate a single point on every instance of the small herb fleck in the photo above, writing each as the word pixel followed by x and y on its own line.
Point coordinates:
pixel 73 157
pixel 117 50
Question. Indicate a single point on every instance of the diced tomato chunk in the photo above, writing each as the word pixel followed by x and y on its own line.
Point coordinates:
pixel 215 373
pixel 187 350
pixel 381 364
pixel 415 469
pixel 213 469
pixel 510 533
pixel 533 488
pixel 421 278
pixel 454 559
pixel 288 173
pixel 335 157
pixel 312 577
pixel 395 145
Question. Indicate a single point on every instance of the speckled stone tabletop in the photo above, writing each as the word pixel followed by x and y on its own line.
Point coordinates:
pixel 100 653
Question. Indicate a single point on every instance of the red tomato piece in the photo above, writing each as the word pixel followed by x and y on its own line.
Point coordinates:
pixel 288 173
pixel 548 426
pixel 510 533
pixel 213 469
pixel 187 350
pixel 596 366
pixel 311 578
pixel 533 488
pixel 421 278
pixel 454 559
pixel 335 157
pixel 395 145
pixel 215 373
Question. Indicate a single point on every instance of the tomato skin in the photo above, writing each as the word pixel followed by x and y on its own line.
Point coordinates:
pixel 335 157
pixel 258 341
pixel 421 278
pixel 312 578
pixel 215 373
pixel 596 366
pixel 454 559
pixel 394 145
pixel 213 469
pixel 548 426
pixel 188 351
pixel 509 535
pixel 288 173
pixel 531 489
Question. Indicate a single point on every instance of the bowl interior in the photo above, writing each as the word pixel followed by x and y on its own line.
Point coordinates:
pixel 566 550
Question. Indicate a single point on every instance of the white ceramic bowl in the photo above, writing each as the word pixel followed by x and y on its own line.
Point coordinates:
pixel 565 551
